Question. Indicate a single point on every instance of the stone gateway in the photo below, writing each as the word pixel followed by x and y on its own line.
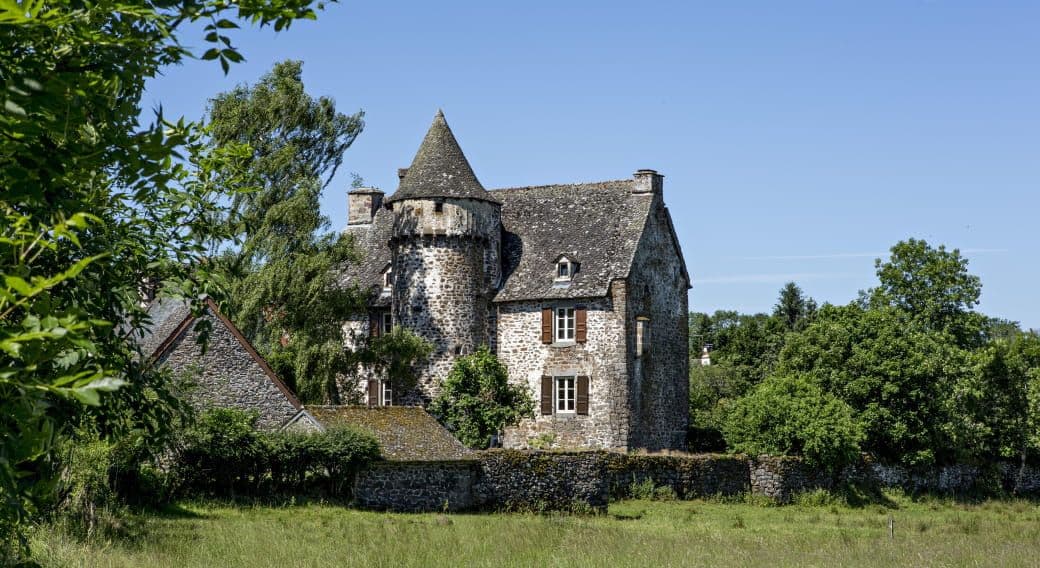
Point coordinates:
pixel 580 290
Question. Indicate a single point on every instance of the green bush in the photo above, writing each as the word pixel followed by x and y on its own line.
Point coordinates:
pixel 223 455
pixel 792 415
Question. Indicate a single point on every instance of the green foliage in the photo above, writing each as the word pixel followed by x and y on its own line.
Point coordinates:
pixel 394 356
pixel 896 378
pixel 284 295
pixel 223 455
pixel 791 415
pixel 793 309
pixel 476 399
pixel 932 288
pixel 93 203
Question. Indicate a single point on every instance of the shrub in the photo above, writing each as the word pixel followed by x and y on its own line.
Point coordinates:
pixel 791 415
pixel 476 400
pixel 222 453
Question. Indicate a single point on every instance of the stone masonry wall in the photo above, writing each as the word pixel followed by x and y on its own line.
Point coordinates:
pixel 512 480
pixel 417 486
pixel 658 378
pixel 601 358
pixel 445 267
pixel 226 376
pixel 690 476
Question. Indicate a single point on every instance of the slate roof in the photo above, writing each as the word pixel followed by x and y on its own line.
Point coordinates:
pixel 405 433
pixel 167 315
pixel 440 169
pixel 597 225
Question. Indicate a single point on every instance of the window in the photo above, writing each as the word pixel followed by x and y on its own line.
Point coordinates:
pixel 642 337
pixel 438 207
pixel 386 394
pixel 388 322
pixel 564 269
pixel 565 395
pixel 388 278
pixel 564 324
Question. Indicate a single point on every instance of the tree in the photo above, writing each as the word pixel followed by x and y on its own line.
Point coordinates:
pixel 790 414
pixel 92 205
pixel 476 399
pixel 896 378
pixel 284 293
pixel 932 288
pixel 792 308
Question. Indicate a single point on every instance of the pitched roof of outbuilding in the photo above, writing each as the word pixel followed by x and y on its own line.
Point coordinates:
pixel 440 169
pixel 597 225
pixel 405 433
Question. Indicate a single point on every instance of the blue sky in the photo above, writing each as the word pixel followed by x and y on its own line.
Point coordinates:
pixel 799 140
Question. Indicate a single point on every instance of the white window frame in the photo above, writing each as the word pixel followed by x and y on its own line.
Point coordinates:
pixel 567 267
pixel 387 322
pixel 388 278
pixel 564 323
pixel 386 393
pixel 565 394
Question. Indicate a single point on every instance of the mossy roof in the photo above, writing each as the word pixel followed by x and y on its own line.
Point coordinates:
pixel 405 433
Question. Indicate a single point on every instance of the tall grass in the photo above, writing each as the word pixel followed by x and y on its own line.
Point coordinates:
pixel 812 532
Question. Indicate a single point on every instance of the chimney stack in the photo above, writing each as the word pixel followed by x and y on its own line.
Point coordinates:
pixel 362 205
pixel 401 172
pixel 648 181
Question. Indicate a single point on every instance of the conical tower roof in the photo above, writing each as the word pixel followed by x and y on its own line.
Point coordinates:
pixel 440 169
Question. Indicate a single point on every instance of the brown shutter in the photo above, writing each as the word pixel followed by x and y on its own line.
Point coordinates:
pixel 373 393
pixel 547 394
pixel 580 325
pixel 373 325
pixel 582 402
pixel 547 317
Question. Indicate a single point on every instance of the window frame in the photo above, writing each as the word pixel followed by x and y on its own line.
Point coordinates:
pixel 567 385
pixel 560 332
pixel 387 322
pixel 386 393
pixel 644 337
pixel 388 278
pixel 569 272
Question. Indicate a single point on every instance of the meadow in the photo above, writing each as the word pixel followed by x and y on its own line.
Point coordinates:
pixel 816 531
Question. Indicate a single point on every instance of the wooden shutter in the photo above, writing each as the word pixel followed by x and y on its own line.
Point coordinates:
pixel 582 401
pixel 373 393
pixel 547 395
pixel 580 324
pixel 373 325
pixel 547 317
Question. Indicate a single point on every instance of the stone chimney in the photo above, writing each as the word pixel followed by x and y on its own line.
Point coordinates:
pixel 648 181
pixel 362 205
pixel 401 172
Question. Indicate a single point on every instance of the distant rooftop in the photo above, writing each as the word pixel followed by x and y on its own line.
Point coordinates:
pixel 405 433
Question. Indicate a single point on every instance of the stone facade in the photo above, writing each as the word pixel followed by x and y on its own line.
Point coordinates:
pixel 417 486
pixel 463 267
pixel 229 374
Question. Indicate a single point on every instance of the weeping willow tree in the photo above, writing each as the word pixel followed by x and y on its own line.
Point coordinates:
pixel 282 272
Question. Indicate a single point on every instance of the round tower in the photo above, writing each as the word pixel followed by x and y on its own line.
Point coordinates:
pixel 446 245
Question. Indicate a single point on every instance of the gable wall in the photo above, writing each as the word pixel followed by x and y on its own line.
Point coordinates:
pixel 659 381
pixel 226 376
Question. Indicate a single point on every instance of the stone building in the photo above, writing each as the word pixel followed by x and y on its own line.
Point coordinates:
pixel 228 374
pixel 580 289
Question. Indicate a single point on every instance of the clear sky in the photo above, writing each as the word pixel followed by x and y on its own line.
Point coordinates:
pixel 799 140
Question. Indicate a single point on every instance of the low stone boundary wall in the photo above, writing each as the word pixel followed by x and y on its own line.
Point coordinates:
pixel 689 476
pixel 417 486
pixel 542 481
pixel 520 480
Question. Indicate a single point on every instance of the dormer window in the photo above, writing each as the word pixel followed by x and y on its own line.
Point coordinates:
pixel 564 269
pixel 388 277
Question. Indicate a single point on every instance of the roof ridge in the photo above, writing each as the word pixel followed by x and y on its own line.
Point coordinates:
pixel 547 185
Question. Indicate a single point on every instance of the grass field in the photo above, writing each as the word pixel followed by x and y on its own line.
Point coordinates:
pixel 928 532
